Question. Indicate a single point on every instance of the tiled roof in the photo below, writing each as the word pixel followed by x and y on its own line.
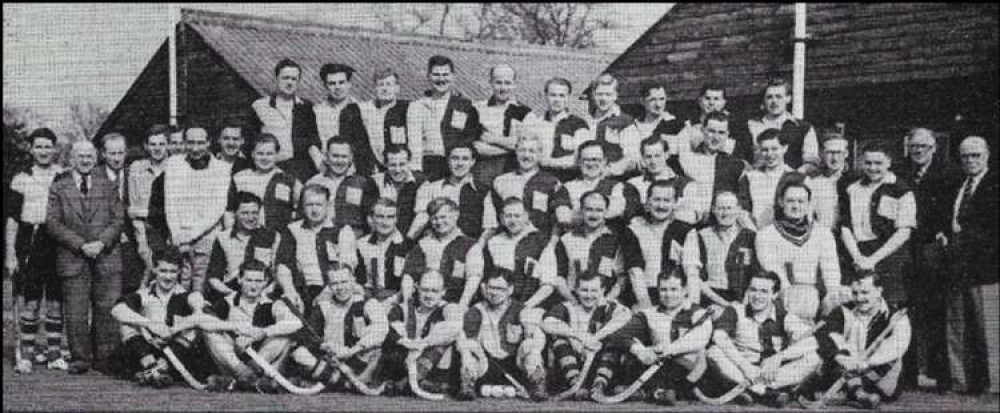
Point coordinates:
pixel 852 44
pixel 251 46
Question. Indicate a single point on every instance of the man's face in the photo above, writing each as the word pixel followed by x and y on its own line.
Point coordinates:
pixel 265 156
pixel 440 78
pixel 248 215
pixel 383 220
pixel 605 97
pixel 252 283
pixel 43 151
pixel 431 290
pixel 197 143
pixel 592 162
pixel 231 141
pixel 716 132
pixel 875 165
pixel 387 88
pixel 865 294
pixel 460 162
pixel 177 145
pixel 589 293
pixel 795 203
pixel 776 100
pixel 726 209
pixel 654 158
pixel 156 145
pixel 834 154
pixel 655 101
pixel 114 154
pixel 513 218
pixel 593 209
pixel 660 203
pixel 288 80
pixel 773 153
pixel 397 166
pixel 527 153
pixel 444 220
pixel 672 292
pixel 338 85
pixel 711 101
pixel 167 274
pixel 974 155
pixel 339 159
pixel 503 84
pixel 760 295
pixel 921 147
pixel 314 206
pixel 497 291
pixel 340 283
pixel 556 95
pixel 84 159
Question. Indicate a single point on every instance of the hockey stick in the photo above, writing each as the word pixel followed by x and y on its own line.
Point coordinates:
pixel 273 373
pixel 646 375
pixel 741 387
pixel 828 395
pixel 345 370
pixel 174 360
pixel 412 377
pixel 521 391
pixel 584 371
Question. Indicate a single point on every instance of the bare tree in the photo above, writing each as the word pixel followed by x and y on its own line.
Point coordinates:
pixel 555 24
pixel 85 118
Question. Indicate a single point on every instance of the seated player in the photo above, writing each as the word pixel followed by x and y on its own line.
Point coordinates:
pixel 850 330
pixel 759 344
pixel 496 340
pixel 382 254
pixel 244 320
pixel 246 240
pixel 673 330
pixel 443 250
pixel 578 325
pixel 342 328
pixel 722 255
pixel 591 247
pixel 422 331
pixel 151 317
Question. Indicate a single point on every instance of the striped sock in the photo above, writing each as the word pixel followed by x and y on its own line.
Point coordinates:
pixel 29 328
pixel 54 336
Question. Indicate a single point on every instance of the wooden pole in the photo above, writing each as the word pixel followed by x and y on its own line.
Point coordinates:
pixel 172 59
pixel 799 65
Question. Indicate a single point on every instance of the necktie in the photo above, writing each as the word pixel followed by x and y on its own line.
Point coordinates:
pixel 966 194
pixel 84 188
pixel 919 175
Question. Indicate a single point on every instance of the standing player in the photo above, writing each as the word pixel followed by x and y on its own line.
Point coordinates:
pixel 351 194
pixel 803 147
pixel 502 123
pixel 461 187
pixel 31 254
pixel 591 247
pixel 386 119
pixel 441 120
pixel 277 190
pixel 611 127
pixel 758 186
pixel 443 249
pixel 140 186
pixel 722 255
pixel 231 143
pixel 382 254
pixel 245 241
pixel 559 131
pixel 595 176
pixel 340 115
pixel 399 183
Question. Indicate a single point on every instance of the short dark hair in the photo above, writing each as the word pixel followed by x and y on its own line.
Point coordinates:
pixel 334 68
pixel 440 202
pixel 877 147
pixel 113 136
pixel 861 275
pixel 316 189
pixel 266 138
pixel 769 134
pixel 244 197
pixel 465 145
pixel 169 254
pixel 286 62
pixel 663 183
pixel 384 73
pixel 779 81
pixel 158 129
pixel 501 274
pixel 438 60
pixel 767 275
pixel 592 144
pixel 717 115
pixel 558 81
pixel 385 202
pixel 653 140
pixel 395 148
pixel 42 133
pixel 795 181
pixel 647 87
pixel 253 265
pixel 511 200
pixel 674 273
pixel 712 85
pixel 337 140
pixel 594 192
pixel 589 275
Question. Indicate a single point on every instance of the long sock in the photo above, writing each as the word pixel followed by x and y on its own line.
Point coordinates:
pixel 54 336
pixel 29 329
pixel 322 372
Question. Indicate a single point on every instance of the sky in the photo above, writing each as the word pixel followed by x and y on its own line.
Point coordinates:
pixel 54 54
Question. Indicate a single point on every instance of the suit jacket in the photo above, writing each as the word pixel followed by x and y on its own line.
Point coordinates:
pixel 74 220
pixel 974 249
pixel 934 200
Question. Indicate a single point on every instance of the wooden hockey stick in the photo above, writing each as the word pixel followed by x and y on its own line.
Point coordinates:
pixel 584 371
pixel 828 395
pixel 412 377
pixel 179 366
pixel 273 373
pixel 646 375
pixel 521 391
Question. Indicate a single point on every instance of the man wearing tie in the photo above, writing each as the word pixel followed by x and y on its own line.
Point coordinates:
pixel 85 218
pixel 973 303
pixel 113 150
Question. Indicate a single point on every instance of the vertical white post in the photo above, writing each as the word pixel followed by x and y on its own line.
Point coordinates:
pixel 172 65
pixel 799 65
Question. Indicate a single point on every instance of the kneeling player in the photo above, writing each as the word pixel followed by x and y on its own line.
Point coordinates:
pixel 574 327
pixel 848 344
pixel 497 340
pixel 343 327
pixel 245 319
pixel 151 317
pixel 760 345
pixel 422 332
pixel 675 331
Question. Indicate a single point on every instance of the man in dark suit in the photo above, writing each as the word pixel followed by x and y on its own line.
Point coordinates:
pixel 930 179
pixel 974 304
pixel 85 218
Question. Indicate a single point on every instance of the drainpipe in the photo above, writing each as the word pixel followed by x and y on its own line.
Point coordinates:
pixel 799 65
pixel 172 59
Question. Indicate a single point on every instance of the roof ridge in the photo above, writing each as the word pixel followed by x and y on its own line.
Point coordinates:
pixel 318 28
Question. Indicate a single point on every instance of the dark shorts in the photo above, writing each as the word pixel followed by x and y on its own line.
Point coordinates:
pixel 37 277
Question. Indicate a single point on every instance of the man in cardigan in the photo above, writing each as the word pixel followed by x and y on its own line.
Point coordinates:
pixel 441 119
pixel 502 123
pixel 340 115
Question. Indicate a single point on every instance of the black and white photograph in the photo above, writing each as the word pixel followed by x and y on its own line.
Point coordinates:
pixel 491 207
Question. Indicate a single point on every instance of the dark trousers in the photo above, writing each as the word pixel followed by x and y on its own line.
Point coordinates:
pixel 133 268
pixel 928 299
pixel 88 298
